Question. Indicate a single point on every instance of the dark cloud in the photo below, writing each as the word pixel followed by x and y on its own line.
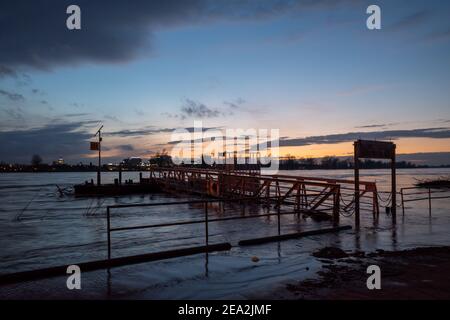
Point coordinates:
pixel 237 104
pixel 37 92
pixel 436 133
pixel 7 72
pixel 372 126
pixel 74 115
pixel 112 118
pixel 34 33
pixel 15 113
pixel 52 141
pixel 380 125
pixel 139 112
pixel 125 147
pixel 138 132
pixel 193 109
pixel 12 95
pixel 150 131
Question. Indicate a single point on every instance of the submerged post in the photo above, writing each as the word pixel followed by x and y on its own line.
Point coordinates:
pixel 206 225
pixel 336 205
pixel 403 201
pixel 108 230
pixel 394 187
pixel 356 160
pixel 429 201
pixel 279 219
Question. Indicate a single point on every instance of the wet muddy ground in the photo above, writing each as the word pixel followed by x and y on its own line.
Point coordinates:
pixel 421 273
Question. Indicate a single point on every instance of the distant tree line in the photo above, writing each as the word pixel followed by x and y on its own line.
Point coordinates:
pixel 162 159
pixel 292 163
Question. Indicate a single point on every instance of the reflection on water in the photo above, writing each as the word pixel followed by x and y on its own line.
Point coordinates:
pixel 39 228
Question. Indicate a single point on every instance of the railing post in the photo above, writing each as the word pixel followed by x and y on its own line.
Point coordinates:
pixel 403 201
pixel 336 205
pixel 206 225
pixel 108 229
pixel 429 201
pixel 279 220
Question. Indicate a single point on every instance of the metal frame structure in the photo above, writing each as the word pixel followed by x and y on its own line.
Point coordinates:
pixel 303 195
pixel 364 149
pixel 423 195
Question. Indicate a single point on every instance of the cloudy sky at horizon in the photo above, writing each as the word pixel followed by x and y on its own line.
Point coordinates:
pixel 309 68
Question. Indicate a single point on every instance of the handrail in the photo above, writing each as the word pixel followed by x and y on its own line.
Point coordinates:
pixel 429 191
pixel 206 220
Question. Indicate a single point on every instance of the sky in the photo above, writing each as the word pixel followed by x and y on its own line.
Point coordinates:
pixel 309 68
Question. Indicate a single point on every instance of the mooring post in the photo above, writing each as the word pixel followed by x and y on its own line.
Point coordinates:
pixel 279 218
pixel 394 187
pixel 336 205
pixel 403 201
pixel 108 230
pixel 206 225
pixel 356 191
pixel 429 201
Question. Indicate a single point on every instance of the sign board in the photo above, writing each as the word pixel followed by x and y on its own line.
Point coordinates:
pixel 374 149
pixel 95 146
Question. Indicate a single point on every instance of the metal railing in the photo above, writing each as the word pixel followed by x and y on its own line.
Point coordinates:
pixel 422 195
pixel 206 219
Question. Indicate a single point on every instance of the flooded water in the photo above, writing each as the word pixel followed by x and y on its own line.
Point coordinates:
pixel 41 228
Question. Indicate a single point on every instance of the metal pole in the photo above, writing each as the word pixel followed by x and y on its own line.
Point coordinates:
pixel 206 225
pixel 429 201
pixel 394 189
pixel 279 219
pixel 403 201
pixel 99 132
pixel 108 229
pixel 356 191
pixel 336 206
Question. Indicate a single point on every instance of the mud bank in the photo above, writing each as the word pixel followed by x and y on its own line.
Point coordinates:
pixel 421 273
